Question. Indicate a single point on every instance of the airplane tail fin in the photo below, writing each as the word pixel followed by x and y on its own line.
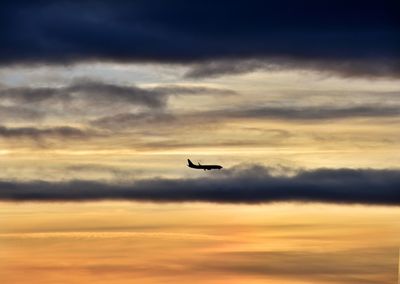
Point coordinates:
pixel 190 163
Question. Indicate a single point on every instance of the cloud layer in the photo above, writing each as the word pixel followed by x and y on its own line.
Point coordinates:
pixel 169 120
pixel 252 184
pixel 84 97
pixel 351 67
pixel 97 92
pixel 341 35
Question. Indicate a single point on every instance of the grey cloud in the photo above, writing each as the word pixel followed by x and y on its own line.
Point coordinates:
pixel 251 185
pixel 26 94
pixel 19 113
pixel 134 120
pixel 379 68
pixel 92 91
pixel 221 68
pixel 85 98
pixel 311 113
pixel 215 117
pixel 176 143
pixel 110 92
pixel 162 125
pixel 39 133
pixel 193 90
pixel 152 97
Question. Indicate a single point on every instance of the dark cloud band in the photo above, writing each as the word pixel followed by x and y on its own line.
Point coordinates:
pixel 251 185
pixel 339 34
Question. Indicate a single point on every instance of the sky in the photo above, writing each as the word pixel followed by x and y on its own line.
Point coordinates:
pixel 102 103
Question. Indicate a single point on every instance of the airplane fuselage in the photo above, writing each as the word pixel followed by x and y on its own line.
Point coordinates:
pixel 204 167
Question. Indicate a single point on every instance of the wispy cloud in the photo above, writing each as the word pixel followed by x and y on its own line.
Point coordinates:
pixel 85 97
pixel 18 113
pixel 369 68
pixel 95 92
pixel 222 115
pixel 37 133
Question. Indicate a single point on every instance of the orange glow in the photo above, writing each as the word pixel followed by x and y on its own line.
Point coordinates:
pixel 122 242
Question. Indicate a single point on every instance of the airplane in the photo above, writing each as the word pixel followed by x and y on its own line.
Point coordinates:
pixel 203 167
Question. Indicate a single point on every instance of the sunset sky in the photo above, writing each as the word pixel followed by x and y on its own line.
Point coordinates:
pixel 103 102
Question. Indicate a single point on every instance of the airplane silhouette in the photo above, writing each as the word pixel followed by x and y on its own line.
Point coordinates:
pixel 203 167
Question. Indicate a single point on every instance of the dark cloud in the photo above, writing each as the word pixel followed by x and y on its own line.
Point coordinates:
pixel 110 92
pixel 213 118
pixel 192 90
pixel 252 184
pixel 40 133
pixel 89 98
pixel 311 112
pixel 28 95
pixel 372 68
pixel 334 36
pixel 96 92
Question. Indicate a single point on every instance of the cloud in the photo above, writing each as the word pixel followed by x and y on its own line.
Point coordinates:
pixel 310 112
pixel 114 172
pixel 251 185
pixel 370 68
pixel 94 92
pixel 19 113
pixel 148 120
pixel 98 91
pixel 136 121
pixel 340 34
pixel 91 98
pixel 39 133
pixel 192 90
